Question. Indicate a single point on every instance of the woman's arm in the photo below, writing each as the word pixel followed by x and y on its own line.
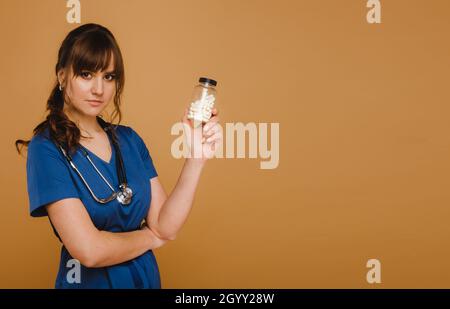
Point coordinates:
pixel 168 214
pixel 94 248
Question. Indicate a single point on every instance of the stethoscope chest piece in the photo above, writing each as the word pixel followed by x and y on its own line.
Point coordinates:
pixel 125 195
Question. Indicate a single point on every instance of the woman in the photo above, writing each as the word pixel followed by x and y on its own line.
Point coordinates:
pixel 96 181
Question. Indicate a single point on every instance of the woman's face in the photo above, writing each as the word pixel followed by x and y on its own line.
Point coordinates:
pixel 91 92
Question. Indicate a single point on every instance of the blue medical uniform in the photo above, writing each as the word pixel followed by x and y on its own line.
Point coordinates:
pixel 50 178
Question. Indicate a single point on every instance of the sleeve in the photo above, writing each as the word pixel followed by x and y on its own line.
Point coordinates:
pixel 48 176
pixel 150 169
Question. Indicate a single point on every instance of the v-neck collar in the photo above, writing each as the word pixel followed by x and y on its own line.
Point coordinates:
pixel 113 152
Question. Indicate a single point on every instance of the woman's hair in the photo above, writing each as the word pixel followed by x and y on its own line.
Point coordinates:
pixel 88 47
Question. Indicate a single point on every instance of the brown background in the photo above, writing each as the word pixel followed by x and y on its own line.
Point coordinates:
pixel 364 145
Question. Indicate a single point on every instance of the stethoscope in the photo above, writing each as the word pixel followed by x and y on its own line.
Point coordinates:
pixel 124 195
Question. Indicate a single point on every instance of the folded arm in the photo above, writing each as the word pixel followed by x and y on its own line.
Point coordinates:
pixel 92 247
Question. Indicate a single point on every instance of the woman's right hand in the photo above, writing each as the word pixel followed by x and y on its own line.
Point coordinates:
pixel 156 241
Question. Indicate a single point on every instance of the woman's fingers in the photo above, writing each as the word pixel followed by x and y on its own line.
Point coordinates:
pixel 214 138
pixel 211 122
pixel 214 119
pixel 215 128
pixel 213 131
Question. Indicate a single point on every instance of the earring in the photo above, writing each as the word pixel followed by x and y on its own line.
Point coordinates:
pixel 60 87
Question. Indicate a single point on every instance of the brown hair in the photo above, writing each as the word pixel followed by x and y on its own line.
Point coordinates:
pixel 88 47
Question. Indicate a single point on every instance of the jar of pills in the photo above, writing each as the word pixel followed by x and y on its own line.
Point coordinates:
pixel 203 100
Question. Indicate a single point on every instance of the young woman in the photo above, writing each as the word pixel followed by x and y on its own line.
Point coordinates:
pixel 96 181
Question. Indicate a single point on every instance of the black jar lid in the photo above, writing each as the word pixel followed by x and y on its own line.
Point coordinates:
pixel 207 80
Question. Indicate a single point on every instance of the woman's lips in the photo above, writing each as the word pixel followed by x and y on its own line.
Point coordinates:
pixel 95 102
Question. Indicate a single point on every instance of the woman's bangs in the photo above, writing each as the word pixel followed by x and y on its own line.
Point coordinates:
pixel 92 54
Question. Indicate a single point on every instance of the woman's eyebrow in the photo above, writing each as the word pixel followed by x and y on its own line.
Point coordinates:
pixel 105 72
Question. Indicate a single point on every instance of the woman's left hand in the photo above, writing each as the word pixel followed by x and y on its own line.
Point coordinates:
pixel 205 139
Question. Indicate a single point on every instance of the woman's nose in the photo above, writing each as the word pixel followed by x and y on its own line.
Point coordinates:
pixel 97 87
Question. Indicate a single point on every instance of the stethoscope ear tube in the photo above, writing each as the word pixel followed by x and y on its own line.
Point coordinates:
pixel 121 174
pixel 120 166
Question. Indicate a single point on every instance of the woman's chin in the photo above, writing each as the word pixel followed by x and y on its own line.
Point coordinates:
pixel 93 112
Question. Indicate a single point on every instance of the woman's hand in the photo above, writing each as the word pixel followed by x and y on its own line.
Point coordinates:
pixel 203 140
pixel 156 241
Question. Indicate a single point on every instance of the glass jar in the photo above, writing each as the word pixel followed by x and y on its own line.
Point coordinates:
pixel 202 101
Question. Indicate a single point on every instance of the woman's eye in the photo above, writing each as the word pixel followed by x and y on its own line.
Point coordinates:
pixel 86 75
pixel 109 77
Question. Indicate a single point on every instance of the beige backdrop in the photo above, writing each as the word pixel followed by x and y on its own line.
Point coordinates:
pixel 364 144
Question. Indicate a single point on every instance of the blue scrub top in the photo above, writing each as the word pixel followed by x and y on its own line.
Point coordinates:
pixel 50 178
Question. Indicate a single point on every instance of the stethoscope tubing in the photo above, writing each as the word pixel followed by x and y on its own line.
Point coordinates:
pixel 121 174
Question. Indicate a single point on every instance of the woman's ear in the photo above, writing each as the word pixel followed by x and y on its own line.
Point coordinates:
pixel 61 77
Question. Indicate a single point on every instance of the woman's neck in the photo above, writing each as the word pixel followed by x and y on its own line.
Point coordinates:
pixel 86 124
